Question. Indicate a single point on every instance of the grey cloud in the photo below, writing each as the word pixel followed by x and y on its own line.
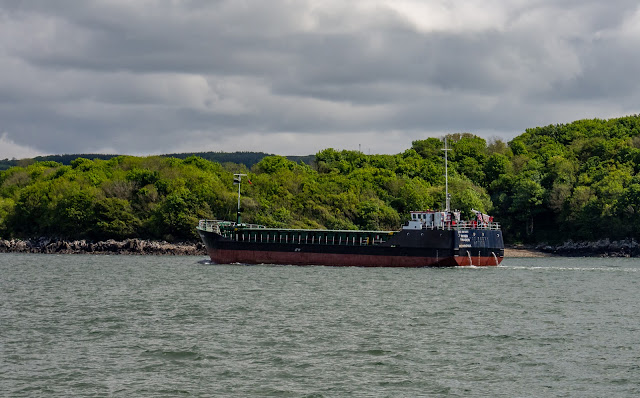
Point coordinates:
pixel 140 78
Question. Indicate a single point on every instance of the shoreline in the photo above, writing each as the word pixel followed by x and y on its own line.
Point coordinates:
pixel 602 248
pixel 110 246
pixel 519 252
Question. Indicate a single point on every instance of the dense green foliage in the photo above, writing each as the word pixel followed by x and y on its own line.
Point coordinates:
pixel 576 181
pixel 163 198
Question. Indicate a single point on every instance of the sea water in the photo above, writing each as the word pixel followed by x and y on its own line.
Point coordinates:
pixel 149 326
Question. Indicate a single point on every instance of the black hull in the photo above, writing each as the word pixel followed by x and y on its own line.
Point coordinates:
pixel 408 248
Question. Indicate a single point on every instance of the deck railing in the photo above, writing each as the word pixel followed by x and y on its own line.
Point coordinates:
pixel 476 225
pixel 449 226
pixel 214 225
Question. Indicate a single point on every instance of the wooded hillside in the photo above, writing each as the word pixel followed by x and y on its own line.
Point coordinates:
pixel 576 181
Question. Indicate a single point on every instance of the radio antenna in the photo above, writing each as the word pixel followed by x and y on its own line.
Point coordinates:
pixel 446 177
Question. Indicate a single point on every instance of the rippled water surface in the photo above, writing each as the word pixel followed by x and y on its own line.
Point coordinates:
pixel 143 326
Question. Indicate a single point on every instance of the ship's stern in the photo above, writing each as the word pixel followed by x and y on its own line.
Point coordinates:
pixel 478 247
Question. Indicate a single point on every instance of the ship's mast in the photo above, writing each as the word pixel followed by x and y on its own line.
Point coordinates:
pixel 237 180
pixel 446 177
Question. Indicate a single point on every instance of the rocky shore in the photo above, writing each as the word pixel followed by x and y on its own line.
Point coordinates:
pixel 600 248
pixel 128 246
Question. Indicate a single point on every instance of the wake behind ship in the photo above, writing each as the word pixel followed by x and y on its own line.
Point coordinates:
pixel 429 239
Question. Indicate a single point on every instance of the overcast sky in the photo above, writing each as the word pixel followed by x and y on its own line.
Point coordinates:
pixel 293 77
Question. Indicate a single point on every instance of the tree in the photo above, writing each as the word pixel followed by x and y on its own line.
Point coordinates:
pixel 527 198
pixel 115 219
pixel 431 148
pixel 177 215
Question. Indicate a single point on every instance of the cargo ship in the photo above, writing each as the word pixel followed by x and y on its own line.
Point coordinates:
pixel 429 239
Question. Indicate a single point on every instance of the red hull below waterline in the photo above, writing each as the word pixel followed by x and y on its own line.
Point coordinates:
pixel 221 256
